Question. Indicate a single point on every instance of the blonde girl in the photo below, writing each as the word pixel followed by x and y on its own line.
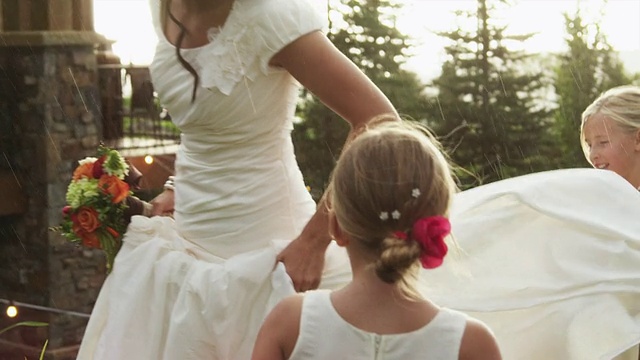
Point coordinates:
pixel 610 132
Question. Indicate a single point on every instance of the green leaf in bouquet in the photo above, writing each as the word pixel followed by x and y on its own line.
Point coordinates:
pixel 24 323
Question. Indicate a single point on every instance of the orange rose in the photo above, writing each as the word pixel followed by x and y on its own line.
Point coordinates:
pixel 84 170
pixel 89 239
pixel 118 189
pixel 87 219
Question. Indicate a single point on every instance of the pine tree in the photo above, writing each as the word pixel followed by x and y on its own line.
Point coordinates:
pixel 589 67
pixel 488 112
pixel 370 39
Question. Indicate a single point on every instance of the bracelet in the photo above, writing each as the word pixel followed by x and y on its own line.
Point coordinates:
pixel 147 209
pixel 169 184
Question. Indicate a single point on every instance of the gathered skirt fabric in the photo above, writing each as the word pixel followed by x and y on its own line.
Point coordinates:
pixel 169 299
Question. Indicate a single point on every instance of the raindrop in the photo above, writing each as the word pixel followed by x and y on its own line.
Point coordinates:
pixel 79 92
pixel 11 168
pixel 19 239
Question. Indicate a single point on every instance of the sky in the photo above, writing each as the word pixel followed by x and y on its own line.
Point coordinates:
pixel 128 23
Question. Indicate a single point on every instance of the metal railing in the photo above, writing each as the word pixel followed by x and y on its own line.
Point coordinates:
pixel 134 122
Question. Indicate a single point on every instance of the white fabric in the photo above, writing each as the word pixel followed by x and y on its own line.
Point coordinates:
pixel 325 335
pixel 169 299
pixel 550 261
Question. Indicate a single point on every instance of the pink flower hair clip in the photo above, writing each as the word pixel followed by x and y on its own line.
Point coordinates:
pixel 430 233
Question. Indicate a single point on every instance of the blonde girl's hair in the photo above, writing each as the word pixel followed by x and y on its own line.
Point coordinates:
pixel 620 104
pixel 378 172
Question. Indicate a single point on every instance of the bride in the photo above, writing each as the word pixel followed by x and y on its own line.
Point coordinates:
pixel 198 287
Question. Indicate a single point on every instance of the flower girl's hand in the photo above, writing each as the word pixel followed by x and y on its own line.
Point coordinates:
pixel 163 204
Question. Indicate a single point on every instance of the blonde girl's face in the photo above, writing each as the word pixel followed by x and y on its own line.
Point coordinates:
pixel 611 148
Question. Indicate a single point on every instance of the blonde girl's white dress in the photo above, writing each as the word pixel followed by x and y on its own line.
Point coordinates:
pixel 199 287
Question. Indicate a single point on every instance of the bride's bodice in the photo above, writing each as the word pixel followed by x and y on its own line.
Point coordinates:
pixel 237 182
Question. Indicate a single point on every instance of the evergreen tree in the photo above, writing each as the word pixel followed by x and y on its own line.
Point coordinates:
pixel 487 112
pixel 368 37
pixel 589 67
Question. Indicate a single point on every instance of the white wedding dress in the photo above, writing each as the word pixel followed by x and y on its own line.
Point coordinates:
pixel 550 261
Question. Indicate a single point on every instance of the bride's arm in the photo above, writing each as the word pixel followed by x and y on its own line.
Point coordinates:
pixel 321 68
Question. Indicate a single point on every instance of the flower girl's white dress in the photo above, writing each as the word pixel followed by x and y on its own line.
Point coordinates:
pixel 551 261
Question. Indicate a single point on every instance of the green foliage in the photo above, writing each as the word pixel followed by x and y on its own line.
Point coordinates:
pixel 589 67
pixel 487 112
pixel 368 36
pixel 44 348
pixel 24 323
pixel 32 324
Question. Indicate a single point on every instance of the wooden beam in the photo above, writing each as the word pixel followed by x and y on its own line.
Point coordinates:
pixel 24 15
pixel 16 15
pixel 2 15
pixel 38 15
pixel 82 15
pixel 9 19
pixel 46 15
pixel 60 15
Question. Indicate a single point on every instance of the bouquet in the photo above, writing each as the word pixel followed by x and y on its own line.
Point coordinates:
pixel 95 214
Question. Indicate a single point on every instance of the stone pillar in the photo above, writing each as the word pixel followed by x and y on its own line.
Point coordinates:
pixel 46 15
pixel 50 117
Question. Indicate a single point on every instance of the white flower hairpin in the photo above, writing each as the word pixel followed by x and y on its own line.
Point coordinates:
pixel 395 214
pixel 415 193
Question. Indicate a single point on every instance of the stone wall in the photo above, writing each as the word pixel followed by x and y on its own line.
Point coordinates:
pixel 50 118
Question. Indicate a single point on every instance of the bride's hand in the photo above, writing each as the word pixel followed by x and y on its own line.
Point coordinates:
pixel 304 257
pixel 163 204
pixel 304 262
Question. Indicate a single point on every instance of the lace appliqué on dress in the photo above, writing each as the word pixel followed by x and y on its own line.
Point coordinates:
pixel 251 35
pixel 231 55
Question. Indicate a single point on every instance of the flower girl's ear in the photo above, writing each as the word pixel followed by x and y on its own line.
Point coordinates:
pixel 637 140
pixel 335 231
